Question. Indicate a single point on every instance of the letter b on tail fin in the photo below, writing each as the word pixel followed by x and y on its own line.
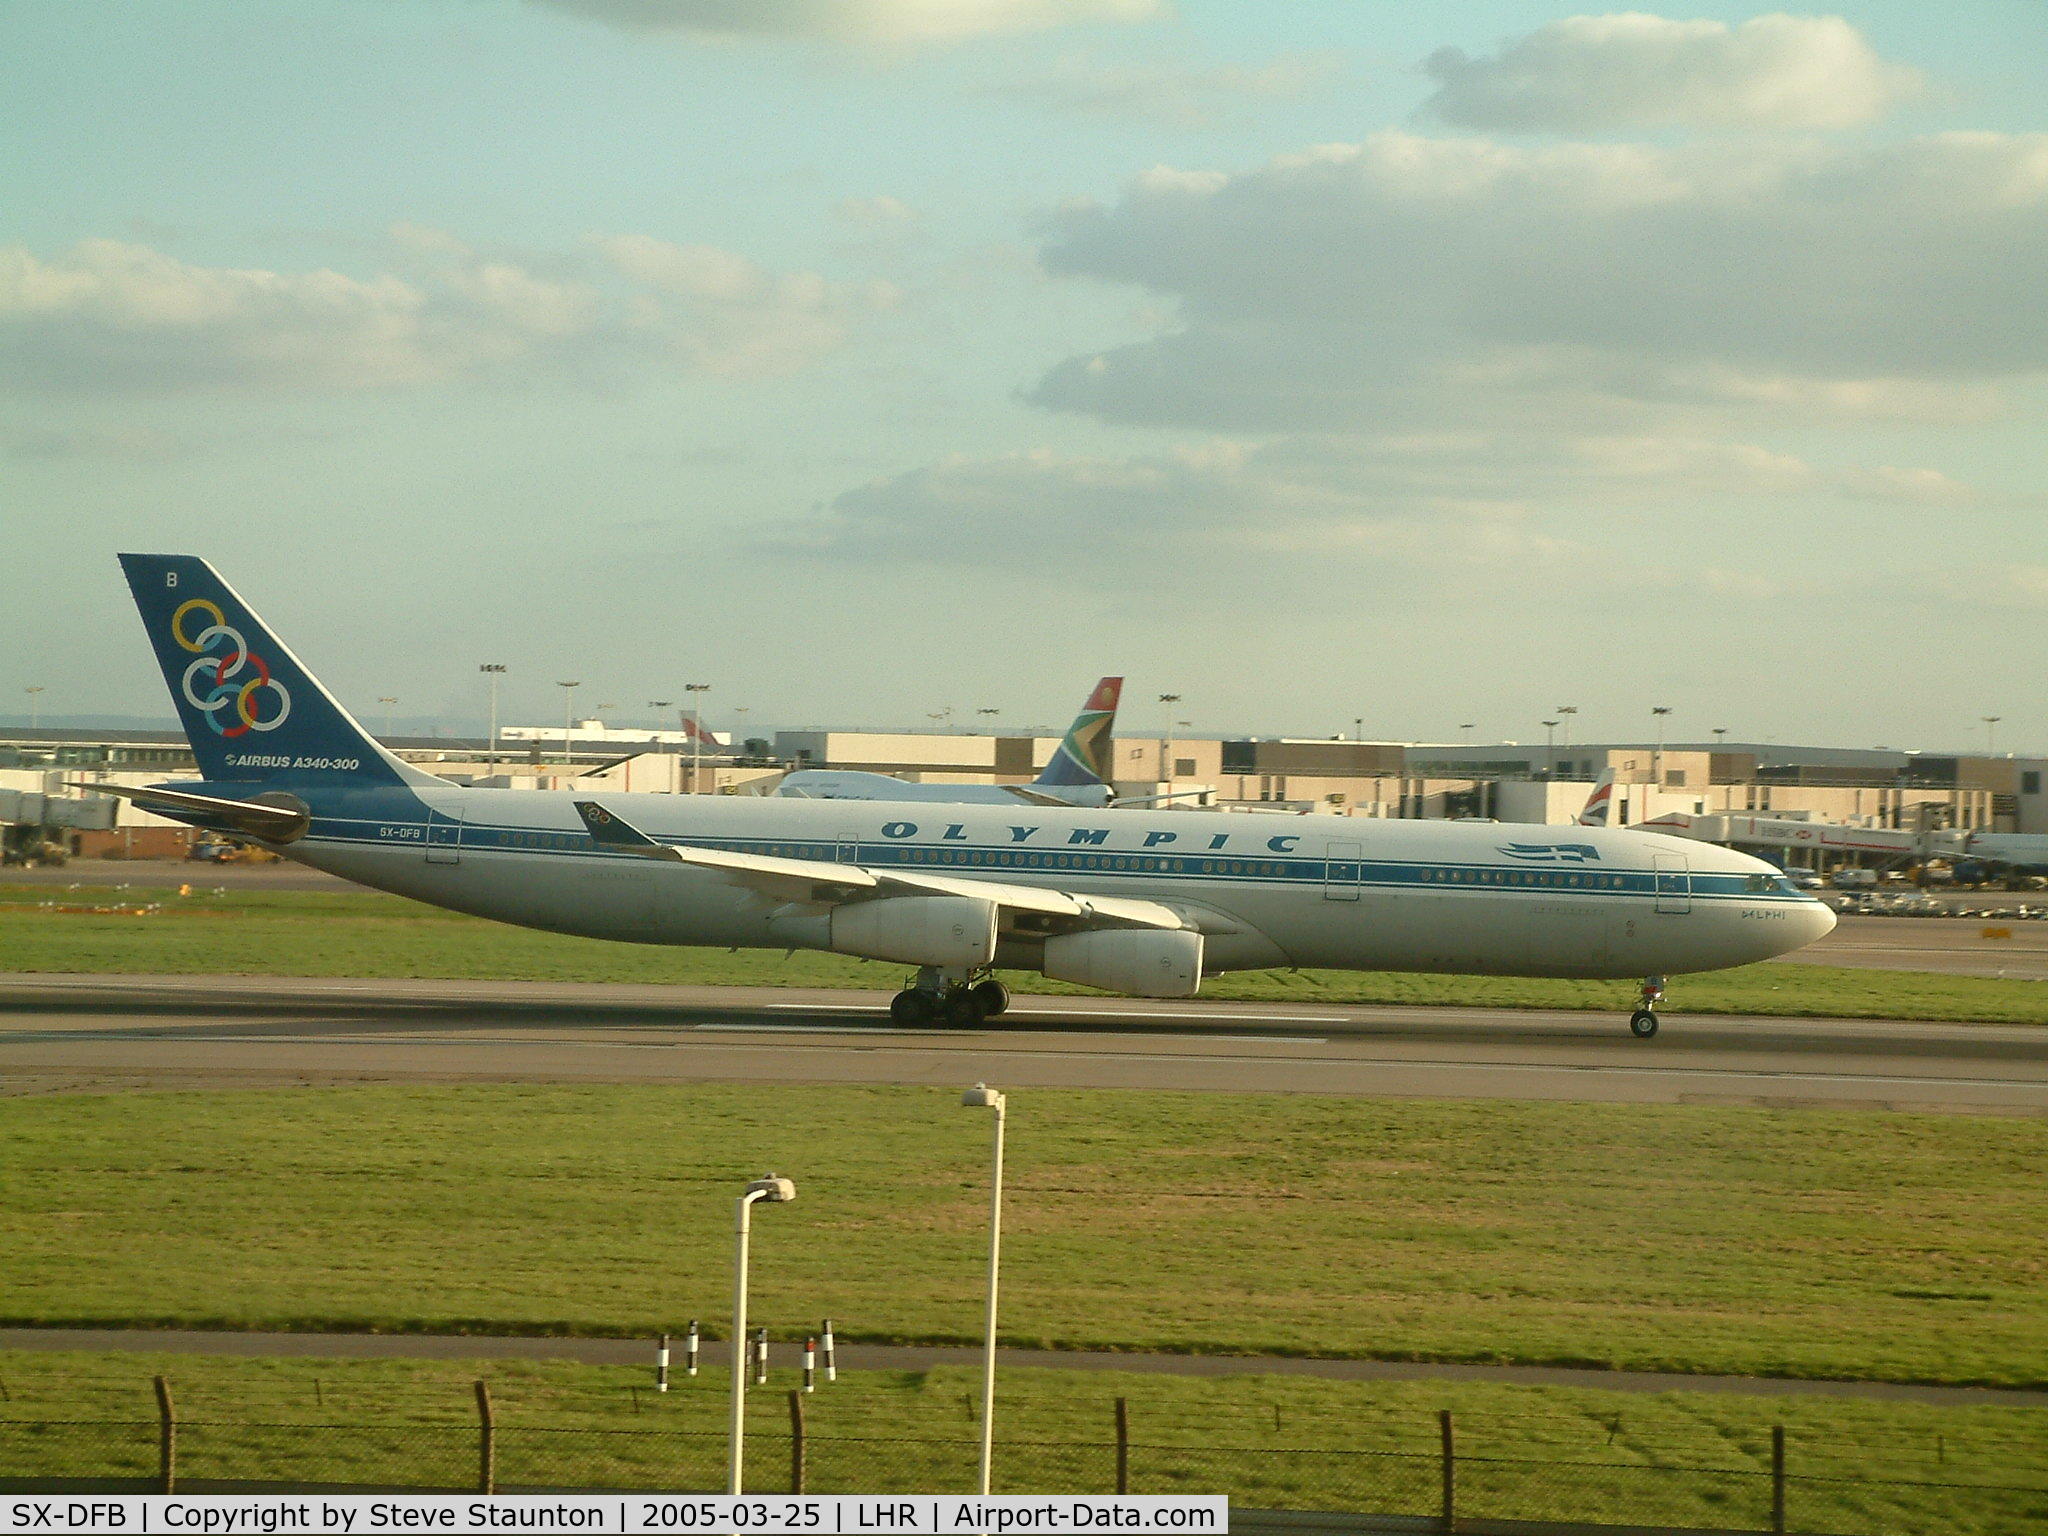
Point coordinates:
pixel 250 708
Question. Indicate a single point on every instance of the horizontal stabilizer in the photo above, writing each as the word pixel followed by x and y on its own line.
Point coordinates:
pixel 273 823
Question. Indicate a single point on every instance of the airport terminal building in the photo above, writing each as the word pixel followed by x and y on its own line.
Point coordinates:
pixel 1866 788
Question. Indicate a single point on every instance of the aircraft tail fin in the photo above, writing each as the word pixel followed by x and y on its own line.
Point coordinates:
pixel 249 706
pixel 1082 757
pixel 1599 804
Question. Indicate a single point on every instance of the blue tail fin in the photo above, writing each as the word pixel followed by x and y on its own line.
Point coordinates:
pixel 1082 757
pixel 250 707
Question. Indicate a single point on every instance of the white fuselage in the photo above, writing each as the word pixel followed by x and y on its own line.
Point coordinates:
pixel 854 784
pixel 1324 891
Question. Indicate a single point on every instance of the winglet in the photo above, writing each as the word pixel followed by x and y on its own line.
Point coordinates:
pixel 610 830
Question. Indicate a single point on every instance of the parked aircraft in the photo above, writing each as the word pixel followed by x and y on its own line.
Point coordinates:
pixel 1139 902
pixel 1077 773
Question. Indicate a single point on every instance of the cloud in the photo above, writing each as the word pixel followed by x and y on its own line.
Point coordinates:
pixel 1403 274
pixel 1998 586
pixel 881 212
pixel 856 21
pixel 725 314
pixel 1592 73
pixel 1908 487
pixel 107 315
pixel 1438 499
pixel 121 445
pixel 1170 95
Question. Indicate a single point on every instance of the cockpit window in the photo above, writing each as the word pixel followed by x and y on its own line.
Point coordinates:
pixel 1770 885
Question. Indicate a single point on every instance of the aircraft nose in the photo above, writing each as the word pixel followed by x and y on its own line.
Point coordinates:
pixel 1817 921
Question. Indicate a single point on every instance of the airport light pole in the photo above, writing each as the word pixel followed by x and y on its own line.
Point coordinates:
pixel 981 1096
pixel 775 1191
pixel 1166 746
pixel 389 702
pixel 493 671
pixel 697 734
pixel 670 704
pixel 1564 713
pixel 1991 734
pixel 1657 713
pixel 1550 748
pixel 568 715
pixel 35 691
pixel 1358 729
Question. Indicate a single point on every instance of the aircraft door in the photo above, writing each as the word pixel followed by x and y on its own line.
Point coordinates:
pixel 444 839
pixel 1341 870
pixel 1674 883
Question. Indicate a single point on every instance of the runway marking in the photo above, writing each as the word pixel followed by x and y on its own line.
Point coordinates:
pixel 1756 1074
pixel 1082 1013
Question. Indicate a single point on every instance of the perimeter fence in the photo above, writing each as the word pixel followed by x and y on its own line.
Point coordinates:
pixel 1433 1471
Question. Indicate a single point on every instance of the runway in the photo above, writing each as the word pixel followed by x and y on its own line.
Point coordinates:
pixel 99 1033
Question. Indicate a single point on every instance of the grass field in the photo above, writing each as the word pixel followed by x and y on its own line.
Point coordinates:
pixel 367 934
pixel 1681 1458
pixel 1801 1243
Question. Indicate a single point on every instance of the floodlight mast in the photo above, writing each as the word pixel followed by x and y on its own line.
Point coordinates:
pixel 775 1191
pixel 981 1096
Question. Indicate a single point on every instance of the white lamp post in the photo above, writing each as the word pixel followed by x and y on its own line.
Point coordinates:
pixel 775 1191
pixel 981 1096
pixel 390 702
pixel 35 692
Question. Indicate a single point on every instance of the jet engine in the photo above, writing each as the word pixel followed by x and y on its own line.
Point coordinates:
pixel 917 930
pixel 1143 962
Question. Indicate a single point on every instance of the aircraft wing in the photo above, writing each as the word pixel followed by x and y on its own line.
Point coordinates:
pixel 1034 797
pixel 815 880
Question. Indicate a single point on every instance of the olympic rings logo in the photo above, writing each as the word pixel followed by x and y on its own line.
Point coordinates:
pixel 224 655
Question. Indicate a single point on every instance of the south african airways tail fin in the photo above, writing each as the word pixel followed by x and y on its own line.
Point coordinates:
pixel 1082 757
pixel 249 706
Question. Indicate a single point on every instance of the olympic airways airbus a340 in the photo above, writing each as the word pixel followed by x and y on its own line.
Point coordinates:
pixel 1139 902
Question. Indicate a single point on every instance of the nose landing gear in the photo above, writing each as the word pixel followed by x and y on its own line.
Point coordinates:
pixel 964 999
pixel 1643 1022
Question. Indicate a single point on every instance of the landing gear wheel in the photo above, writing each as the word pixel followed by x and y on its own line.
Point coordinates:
pixel 913 1007
pixel 1642 1023
pixel 994 997
pixel 962 1008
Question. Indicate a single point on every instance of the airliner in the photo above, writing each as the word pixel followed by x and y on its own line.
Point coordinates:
pixel 1077 773
pixel 1145 903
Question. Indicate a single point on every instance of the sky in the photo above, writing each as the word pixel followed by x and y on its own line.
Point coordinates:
pixel 1430 366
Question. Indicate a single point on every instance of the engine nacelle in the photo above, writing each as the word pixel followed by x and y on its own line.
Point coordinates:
pixel 954 931
pixel 1143 962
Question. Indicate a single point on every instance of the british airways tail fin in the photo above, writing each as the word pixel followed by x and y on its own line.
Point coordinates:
pixel 1600 803
pixel 1082 757
pixel 249 706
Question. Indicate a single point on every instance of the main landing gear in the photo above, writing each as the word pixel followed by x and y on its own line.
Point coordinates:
pixel 1643 1022
pixel 963 999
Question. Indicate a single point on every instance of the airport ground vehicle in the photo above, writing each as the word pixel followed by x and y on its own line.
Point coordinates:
pixel 1139 902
